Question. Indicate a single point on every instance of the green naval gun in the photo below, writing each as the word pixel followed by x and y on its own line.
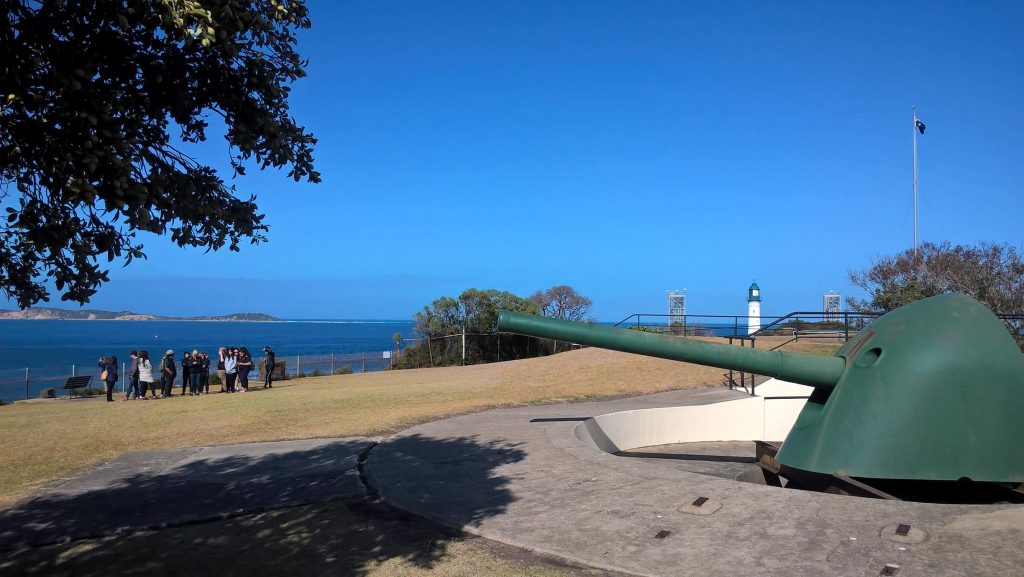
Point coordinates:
pixel 932 392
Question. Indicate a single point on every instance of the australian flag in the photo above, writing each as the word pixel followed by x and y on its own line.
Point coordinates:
pixel 919 125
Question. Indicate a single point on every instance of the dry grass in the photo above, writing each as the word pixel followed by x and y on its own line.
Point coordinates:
pixel 45 441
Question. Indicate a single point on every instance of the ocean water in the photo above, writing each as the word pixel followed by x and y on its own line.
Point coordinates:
pixel 49 344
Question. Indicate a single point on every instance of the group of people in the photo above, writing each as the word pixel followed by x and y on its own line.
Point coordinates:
pixel 233 367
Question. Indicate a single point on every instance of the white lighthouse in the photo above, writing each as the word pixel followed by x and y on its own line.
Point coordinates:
pixel 753 308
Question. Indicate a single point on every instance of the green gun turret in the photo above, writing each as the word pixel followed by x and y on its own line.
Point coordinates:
pixel 932 391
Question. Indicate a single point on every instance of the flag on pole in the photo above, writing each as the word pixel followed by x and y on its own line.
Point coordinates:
pixel 919 124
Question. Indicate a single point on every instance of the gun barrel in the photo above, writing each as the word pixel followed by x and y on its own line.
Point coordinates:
pixel 806 369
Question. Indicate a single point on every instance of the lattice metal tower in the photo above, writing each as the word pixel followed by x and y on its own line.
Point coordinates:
pixel 677 308
pixel 830 304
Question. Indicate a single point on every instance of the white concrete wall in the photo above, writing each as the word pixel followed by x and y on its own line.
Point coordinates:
pixel 748 419
pixel 780 414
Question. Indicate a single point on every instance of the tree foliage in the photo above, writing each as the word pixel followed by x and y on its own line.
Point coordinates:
pixel 98 98
pixel 563 302
pixel 991 273
pixel 475 310
pixel 441 324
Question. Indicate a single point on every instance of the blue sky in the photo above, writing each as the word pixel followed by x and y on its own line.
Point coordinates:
pixel 623 148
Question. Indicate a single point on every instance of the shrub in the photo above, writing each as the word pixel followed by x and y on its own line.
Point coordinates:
pixel 343 370
pixel 644 329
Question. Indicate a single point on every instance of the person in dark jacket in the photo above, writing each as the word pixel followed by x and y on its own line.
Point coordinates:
pixel 186 372
pixel 205 382
pixel 108 366
pixel 244 368
pixel 221 371
pixel 269 362
pixel 133 378
pixel 168 370
pixel 195 373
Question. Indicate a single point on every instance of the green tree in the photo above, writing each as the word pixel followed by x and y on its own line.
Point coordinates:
pixel 397 339
pixel 563 302
pixel 476 310
pixel 442 322
pixel 991 273
pixel 99 101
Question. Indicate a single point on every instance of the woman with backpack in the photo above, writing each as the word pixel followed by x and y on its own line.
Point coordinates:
pixel 108 375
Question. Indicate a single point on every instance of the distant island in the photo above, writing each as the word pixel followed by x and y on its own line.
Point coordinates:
pixel 43 313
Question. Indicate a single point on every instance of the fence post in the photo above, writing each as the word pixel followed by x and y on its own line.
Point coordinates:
pixel 463 344
pixel 297 361
pixel 362 358
pixel 332 363
pixel 122 376
pixel 26 383
pixel 72 370
pixel 430 352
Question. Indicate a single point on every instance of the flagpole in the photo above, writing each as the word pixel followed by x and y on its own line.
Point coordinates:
pixel 913 126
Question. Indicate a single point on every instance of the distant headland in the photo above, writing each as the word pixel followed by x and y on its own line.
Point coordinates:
pixel 44 313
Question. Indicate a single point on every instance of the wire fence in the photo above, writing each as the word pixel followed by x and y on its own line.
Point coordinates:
pixel 35 382
pixel 473 349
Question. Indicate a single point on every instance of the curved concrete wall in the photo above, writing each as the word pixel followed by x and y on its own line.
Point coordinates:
pixel 762 417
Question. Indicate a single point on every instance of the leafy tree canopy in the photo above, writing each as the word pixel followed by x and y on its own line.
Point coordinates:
pixel 476 310
pixel 563 302
pixel 96 97
pixel 991 273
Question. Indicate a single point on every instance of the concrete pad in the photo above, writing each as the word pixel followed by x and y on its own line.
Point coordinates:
pixel 146 490
pixel 521 476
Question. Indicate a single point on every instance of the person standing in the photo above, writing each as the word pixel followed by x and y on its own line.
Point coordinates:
pixel 221 373
pixel 205 383
pixel 133 378
pixel 186 365
pixel 108 375
pixel 146 380
pixel 269 362
pixel 244 368
pixel 195 372
pixel 168 371
pixel 231 368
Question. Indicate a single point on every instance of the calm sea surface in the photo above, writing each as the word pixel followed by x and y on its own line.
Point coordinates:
pixel 63 343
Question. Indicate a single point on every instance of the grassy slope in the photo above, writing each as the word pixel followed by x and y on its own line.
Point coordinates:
pixel 49 440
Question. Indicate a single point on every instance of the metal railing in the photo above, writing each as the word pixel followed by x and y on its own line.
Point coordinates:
pixel 800 324
pixel 796 325
pixel 736 326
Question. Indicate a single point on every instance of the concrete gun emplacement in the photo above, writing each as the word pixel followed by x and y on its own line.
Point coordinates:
pixel 930 392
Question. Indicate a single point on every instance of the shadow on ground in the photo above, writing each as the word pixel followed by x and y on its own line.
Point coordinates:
pixel 237 515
